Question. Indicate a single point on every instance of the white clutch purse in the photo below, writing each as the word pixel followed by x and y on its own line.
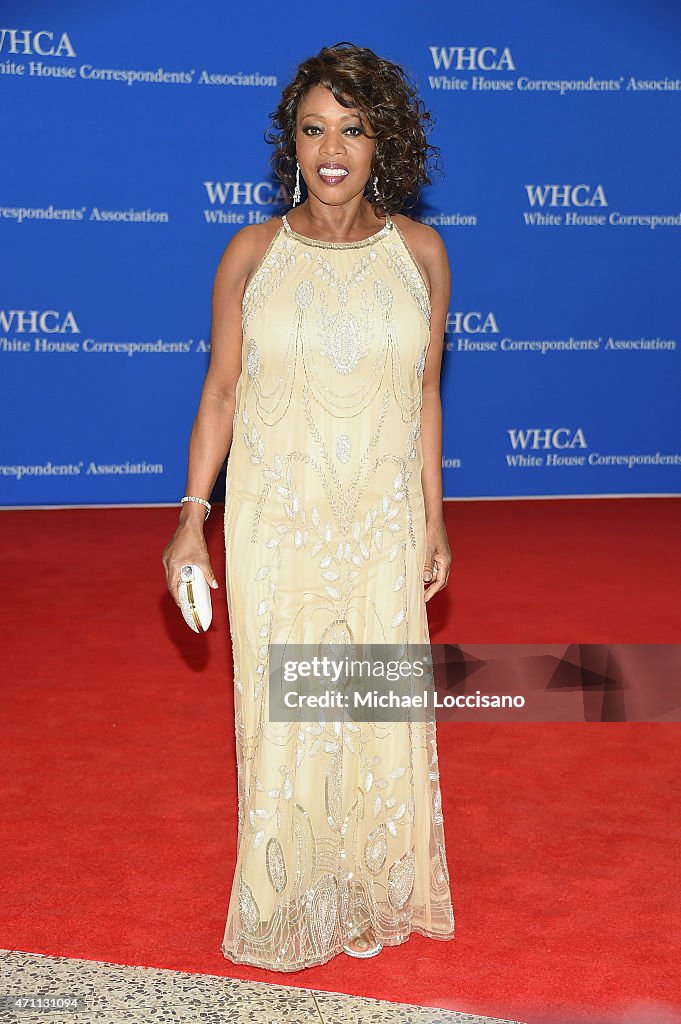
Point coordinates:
pixel 194 596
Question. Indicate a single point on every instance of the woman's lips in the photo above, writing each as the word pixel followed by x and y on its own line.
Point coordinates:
pixel 332 174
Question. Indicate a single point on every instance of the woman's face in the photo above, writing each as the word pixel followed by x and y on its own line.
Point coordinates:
pixel 333 152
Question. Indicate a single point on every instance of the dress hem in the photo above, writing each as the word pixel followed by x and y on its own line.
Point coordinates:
pixel 442 936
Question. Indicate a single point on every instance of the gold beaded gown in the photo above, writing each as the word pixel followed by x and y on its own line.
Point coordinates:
pixel 339 824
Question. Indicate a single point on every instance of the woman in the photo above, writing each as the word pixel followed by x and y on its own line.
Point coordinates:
pixel 323 386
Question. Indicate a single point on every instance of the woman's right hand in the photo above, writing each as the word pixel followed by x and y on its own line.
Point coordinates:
pixel 186 545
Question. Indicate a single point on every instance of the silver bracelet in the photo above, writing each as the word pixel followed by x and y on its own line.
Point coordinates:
pixel 201 501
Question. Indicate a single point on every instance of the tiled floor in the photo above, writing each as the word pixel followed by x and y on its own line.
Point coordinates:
pixel 111 994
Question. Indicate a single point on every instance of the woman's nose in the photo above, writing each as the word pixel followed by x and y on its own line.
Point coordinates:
pixel 332 145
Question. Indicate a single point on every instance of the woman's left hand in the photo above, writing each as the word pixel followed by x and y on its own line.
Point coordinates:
pixel 438 558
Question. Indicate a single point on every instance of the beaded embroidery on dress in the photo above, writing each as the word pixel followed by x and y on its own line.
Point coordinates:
pixel 325 542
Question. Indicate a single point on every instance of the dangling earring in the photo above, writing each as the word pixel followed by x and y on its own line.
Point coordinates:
pixel 376 192
pixel 296 191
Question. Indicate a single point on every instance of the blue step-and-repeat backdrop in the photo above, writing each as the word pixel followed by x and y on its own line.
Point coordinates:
pixel 134 150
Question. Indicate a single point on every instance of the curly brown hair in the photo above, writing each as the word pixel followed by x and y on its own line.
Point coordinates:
pixel 389 105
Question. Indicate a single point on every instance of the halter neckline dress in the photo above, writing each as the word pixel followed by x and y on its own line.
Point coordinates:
pixel 340 824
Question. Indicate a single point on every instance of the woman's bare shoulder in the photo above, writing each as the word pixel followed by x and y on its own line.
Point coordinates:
pixel 246 248
pixel 426 246
pixel 427 240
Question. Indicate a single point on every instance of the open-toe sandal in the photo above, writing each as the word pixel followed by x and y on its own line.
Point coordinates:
pixel 365 946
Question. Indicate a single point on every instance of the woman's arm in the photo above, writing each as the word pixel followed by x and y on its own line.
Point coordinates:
pixel 431 410
pixel 438 556
pixel 211 435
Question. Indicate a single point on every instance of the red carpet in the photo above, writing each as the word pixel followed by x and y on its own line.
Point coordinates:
pixel 118 772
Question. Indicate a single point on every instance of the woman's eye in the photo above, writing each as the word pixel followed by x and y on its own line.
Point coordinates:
pixel 314 128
